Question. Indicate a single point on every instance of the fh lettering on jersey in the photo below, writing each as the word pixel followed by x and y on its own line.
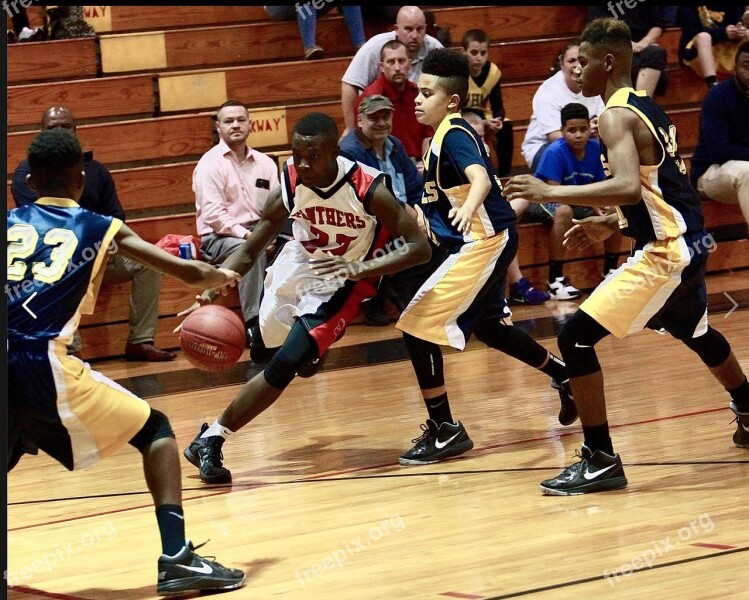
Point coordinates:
pixel 323 215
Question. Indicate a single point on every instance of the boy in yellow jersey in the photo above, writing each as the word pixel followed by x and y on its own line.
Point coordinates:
pixel 662 286
pixel 485 94
pixel 467 216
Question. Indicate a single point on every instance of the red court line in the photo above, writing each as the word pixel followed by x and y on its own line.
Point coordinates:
pixel 459 595
pixel 110 512
pixel 29 590
pixel 327 474
pixel 715 546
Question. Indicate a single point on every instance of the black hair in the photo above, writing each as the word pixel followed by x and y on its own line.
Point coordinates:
pixel 574 110
pixel 54 150
pixel 611 33
pixel 452 69
pixel 473 111
pixel 52 154
pixel 743 47
pixel 317 123
pixel 475 35
pixel 227 104
pixel 391 45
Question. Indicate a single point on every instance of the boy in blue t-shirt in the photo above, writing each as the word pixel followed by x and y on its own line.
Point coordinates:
pixel 573 159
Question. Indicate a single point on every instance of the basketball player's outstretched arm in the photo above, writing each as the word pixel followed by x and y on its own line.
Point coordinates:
pixel 619 128
pixel 409 248
pixel 192 272
pixel 266 231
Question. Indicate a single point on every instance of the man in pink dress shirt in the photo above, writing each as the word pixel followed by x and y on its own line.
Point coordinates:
pixel 232 183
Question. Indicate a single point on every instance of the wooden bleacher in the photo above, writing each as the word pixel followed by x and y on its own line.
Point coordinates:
pixel 142 92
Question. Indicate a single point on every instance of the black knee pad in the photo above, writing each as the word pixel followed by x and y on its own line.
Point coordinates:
pixel 712 348
pixel 426 358
pixel 512 341
pixel 298 353
pixel 577 342
pixel 156 427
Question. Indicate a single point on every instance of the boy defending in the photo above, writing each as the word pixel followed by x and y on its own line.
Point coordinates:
pixel 662 286
pixel 466 214
pixel 56 257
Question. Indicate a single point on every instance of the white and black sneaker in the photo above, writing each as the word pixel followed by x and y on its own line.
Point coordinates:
pixel 595 472
pixel 437 443
pixel 561 289
pixel 205 453
pixel 188 572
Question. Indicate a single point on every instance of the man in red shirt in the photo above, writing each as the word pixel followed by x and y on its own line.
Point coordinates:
pixel 393 83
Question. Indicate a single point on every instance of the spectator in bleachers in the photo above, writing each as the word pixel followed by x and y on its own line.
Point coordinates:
pixel 410 28
pixel 393 83
pixel 22 30
pixel 232 182
pixel 648 58
pixel 710 36
pixel 373 144
pixel 521 289
pixel 555 93
pixel 720 165
pixel 485 93
pixel 100 196
pixel 306 16
pixel 574 159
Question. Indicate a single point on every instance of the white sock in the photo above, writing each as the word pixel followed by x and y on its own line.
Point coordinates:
pixel 217 429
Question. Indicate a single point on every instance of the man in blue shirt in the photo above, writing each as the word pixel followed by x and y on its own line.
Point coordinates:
pixel 720 165
pixel 573 159
pixel 372 144
pixel 100 196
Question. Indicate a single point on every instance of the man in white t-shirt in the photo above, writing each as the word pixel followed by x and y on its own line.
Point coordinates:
pixel 554 94
pixel 410 28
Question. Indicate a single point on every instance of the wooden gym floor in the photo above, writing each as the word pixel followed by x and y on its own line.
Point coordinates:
pixel 320 509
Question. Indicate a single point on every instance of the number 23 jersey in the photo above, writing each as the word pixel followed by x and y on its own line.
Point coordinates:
pixel 56 254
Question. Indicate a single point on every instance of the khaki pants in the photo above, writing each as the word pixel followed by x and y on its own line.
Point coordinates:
pixel 727 183
pixel 144 298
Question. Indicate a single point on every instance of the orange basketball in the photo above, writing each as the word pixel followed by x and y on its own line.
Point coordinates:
pixel 213 338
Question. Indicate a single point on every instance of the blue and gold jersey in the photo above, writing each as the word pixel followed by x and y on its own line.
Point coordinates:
pixel 454 147
pixel 670 207
pixel 56 254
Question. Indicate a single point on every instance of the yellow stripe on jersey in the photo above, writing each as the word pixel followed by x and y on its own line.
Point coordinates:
pixel 100 415
pixel 481 224
pixel 433 313
pixel 667 221
pixel 629 298
pixel 89 300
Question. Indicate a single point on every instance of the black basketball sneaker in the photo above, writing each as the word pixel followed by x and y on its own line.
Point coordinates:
pixel 595 472
pixel 205 453
pixel 437 443
pixel 741 436
pixel 188 572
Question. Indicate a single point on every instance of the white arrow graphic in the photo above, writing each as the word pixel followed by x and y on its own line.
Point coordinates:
pixel 735 305
pixel 30 298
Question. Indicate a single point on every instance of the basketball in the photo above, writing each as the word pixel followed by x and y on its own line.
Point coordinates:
pixel 213 338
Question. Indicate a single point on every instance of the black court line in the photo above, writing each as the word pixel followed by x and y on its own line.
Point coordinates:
pixel 313 479
pixel 558 586
pixel 357 355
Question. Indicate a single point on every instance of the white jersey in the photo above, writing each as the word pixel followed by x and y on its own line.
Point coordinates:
pixel 327 221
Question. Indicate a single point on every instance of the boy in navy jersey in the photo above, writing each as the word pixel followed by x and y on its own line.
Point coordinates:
pixel 662 286
pixel 57 253
pixel 466 215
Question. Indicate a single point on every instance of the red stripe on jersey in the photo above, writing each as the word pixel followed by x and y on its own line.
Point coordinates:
pixel 363 178
pixel 326 334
